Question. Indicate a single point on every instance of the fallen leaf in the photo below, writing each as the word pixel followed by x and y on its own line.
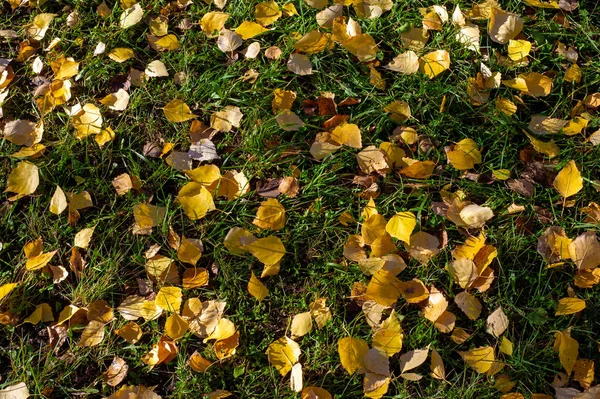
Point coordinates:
pixel 283 354
pixel 568 306
pixel 568 181
pixel 257 289
pixel 116 372
pixel 352 352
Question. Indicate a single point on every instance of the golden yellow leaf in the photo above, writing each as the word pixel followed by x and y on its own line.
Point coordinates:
pixel 401 226
pixel 270 215
pixel 545 147
pixel 568 181
pixel 423 246
pixel 58 202
pixel 198 363
pixel 163 351
pixel 6 289
pixel 347 134
pixel 568 306
pixel 584 372
pixel 313 392
pixel 130 332
pixel 67 313
pixel 39 261
pixel 176 326
pixel 388 337
pixel 249 29
pixel 194 278
pixel 283 354
pixel 257 289
pixel 436 305
pixel 314 42
pixel 177 111
pixel 320 312
pixel 213 21
pixel 223 330
pixel 169 298
pixel 567 348
pixel 505 106
pixel 518 49
pixel 83 237
pixel 268 250
pixel 575 126
pixel 399 111
pixel 384 288
pixel 573 74
pixel 373 228
pixel 543 4
pixel 121 54
pixel 418 169
pixel 42 313
pixel 352 352
pixel 301 324
pixel 92 334
pixel 267 12
pixel 434 63
pixel 480 359
pixel 23 180
pixel 189 251
pixel 196 200
pixel 468 304
pixel 504 26
pixel 506 346
pixel 87 121
pixel 41 22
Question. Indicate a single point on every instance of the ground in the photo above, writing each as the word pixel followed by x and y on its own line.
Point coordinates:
pixel 313 266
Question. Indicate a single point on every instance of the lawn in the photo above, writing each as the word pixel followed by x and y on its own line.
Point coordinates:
pixel 299 199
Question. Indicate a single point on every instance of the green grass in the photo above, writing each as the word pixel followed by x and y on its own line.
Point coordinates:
pixel 313 266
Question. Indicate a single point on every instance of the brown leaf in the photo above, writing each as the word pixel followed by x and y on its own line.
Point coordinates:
pixel 116 372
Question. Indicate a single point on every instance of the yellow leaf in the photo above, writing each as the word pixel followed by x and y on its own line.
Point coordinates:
pixel 257 289
pixel 121 54
pixel 573 74
pixel 436 305
pixel 518 49
pixel 189 251
pixel 130 332
pixel 567 348
pixel 314 42
pixel 267 12
pixel 223 330
pixel 543 4
pixel 575 126
pixel 585 251
pixel 313 392
pixel 213 21
pixel 384 288
pixel 42 313
pixel 388 337
pixel 6 289
pixel 83 237
pixel 23 180
pixel 249 29
pixel 438 371
pixel 584 372
pixel 169 298
pixel 289 10
pixel 568 306
pixel 399 111
pixel 373 228
pixel 87 121
pixel 270 215
pixel 545 147
pixel 506 346
pixel 480 359
pixel 131 16
pixel 423 246
pixel 568 181
pixel 413 359
pixel 504 26
pixel 415 38
pixel 67 313
pixel 198 363
pixel 39 261
pixel 418 169
pixel 320 312
pixel 177 111
pixel 347 134
pixel 283 354
pixel 58 203
pixel 352 352
pixel 196 200
pixel 505 106
pixel 41 22
pixel 147 216
pixel 434 63
pixel 401 226
pixel 301 324
pixel 194 278
pixel 268 250
pixel 175 327
pixel 468 304
pixel 92 334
